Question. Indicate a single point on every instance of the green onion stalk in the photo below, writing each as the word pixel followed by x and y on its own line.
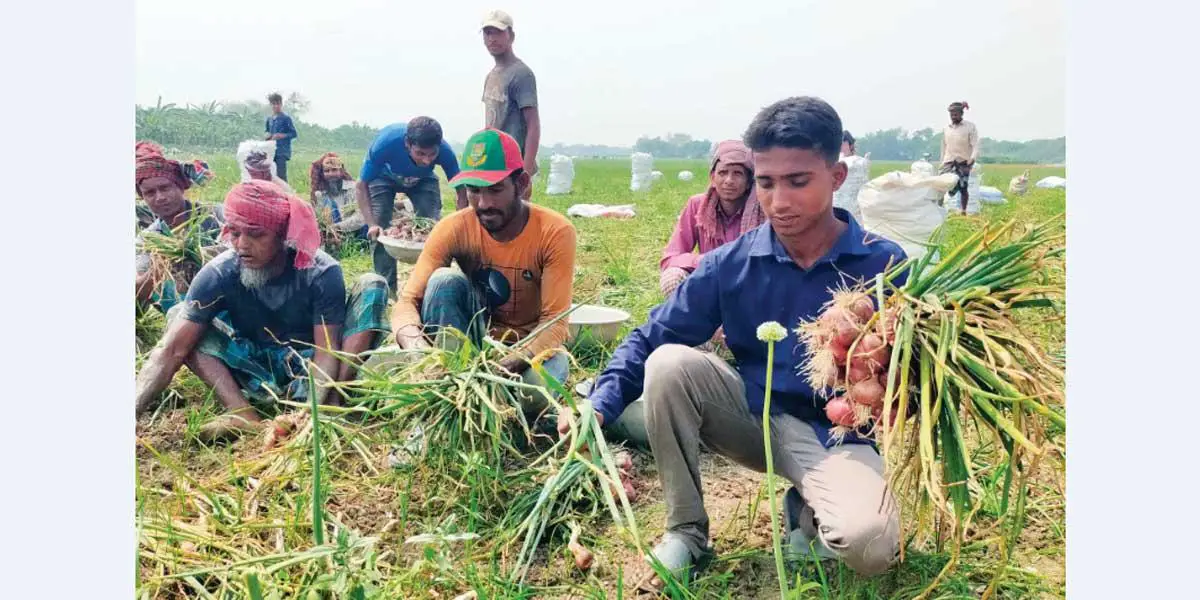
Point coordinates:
pixel 772 332
pixel 954 354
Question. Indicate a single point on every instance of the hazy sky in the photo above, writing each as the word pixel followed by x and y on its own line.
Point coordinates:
pixel 624 68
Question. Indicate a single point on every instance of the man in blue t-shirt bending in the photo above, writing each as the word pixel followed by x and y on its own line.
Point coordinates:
pixel 401 159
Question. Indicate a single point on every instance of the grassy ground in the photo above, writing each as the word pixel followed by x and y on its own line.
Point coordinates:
pixel 212 500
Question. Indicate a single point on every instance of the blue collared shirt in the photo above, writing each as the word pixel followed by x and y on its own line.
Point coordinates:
pixel 282 123
pixel 739 286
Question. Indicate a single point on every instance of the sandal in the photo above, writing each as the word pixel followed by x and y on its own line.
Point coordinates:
pixel 674 553
pixel 802 539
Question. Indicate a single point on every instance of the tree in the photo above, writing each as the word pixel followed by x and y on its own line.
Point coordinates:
pixel 676 145
pixel 297 105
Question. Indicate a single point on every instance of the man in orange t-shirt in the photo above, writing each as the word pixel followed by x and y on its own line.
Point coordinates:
pixel 516 264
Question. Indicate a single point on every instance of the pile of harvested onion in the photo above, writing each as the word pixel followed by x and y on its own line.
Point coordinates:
pixel 850 348
pixel 939 342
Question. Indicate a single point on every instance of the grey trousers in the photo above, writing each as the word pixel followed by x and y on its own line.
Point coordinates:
pixel 426 197
pixel 693 397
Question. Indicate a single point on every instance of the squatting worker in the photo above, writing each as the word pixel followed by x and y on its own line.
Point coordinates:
pixel 516 263
pixel 784 271
pixel 510 92
pixel 401 160
pixel 960 150
pixel 253 315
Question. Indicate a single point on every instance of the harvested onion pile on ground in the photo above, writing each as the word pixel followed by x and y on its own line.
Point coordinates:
pixel 944 353
pixel 580 474
pixel 460 400
pixel 410 228
pixel 181 252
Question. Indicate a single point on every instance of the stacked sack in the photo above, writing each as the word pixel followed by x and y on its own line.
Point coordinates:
pixel 924 168
pixel 895 206
pixel 641 178
pixel 562 174
pixel 858 172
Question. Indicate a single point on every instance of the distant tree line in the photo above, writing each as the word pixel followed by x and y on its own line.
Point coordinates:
pixel 221 126
pixel 898 144
pixel 675 145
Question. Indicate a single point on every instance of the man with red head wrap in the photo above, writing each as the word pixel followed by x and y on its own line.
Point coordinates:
pixel 262 314
pixel 160 183
pixel 960 150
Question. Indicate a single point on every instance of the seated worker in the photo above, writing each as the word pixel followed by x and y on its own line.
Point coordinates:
pixel 160 183
pixel 330 186
pixel 726 210
pixel 783 270
pixel 517 264
pixel 401 160
pixel 253 314
pixel 710 220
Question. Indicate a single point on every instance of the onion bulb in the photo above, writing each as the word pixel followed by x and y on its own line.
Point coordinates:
pixel 874 351
pixel 583 556
pixel 862 308
pixel 858 371
pixel 840 412
pixel 836 314
pixel 844 333
pixel 867 392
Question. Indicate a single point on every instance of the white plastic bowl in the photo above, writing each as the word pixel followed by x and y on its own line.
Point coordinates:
pixel 603 321
pixel 402 250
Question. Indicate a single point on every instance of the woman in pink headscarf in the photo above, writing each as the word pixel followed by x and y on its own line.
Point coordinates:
pixel 710 220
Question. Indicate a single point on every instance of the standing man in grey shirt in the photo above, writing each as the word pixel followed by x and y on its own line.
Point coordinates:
pixel 510 91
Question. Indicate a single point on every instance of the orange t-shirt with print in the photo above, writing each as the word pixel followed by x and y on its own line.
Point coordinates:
pixel 539 265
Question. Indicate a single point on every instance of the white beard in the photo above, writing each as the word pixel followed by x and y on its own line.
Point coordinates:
pixel 254 278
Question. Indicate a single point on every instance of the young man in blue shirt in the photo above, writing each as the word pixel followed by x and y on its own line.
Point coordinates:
pixel 784 269
pixel 401 160
pixel 281 129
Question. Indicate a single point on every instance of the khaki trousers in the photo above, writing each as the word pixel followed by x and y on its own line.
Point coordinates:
pixel 693 397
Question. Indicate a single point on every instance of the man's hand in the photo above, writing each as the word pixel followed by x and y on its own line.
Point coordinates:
pixel 373 232
pixel 623 460
pixel 412 338
pixel 970 163
pixel 531 168
pixel 514 365
pixel 564 421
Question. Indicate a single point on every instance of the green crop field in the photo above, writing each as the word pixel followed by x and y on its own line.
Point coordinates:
pixel 232 521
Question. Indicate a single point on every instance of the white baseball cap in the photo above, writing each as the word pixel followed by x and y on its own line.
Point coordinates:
pixel 498 19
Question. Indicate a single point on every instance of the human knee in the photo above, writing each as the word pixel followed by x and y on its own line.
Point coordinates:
pixel 368 281
pixel 671 279
pixel 447 278
pixel 666 365
pixel 869 544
